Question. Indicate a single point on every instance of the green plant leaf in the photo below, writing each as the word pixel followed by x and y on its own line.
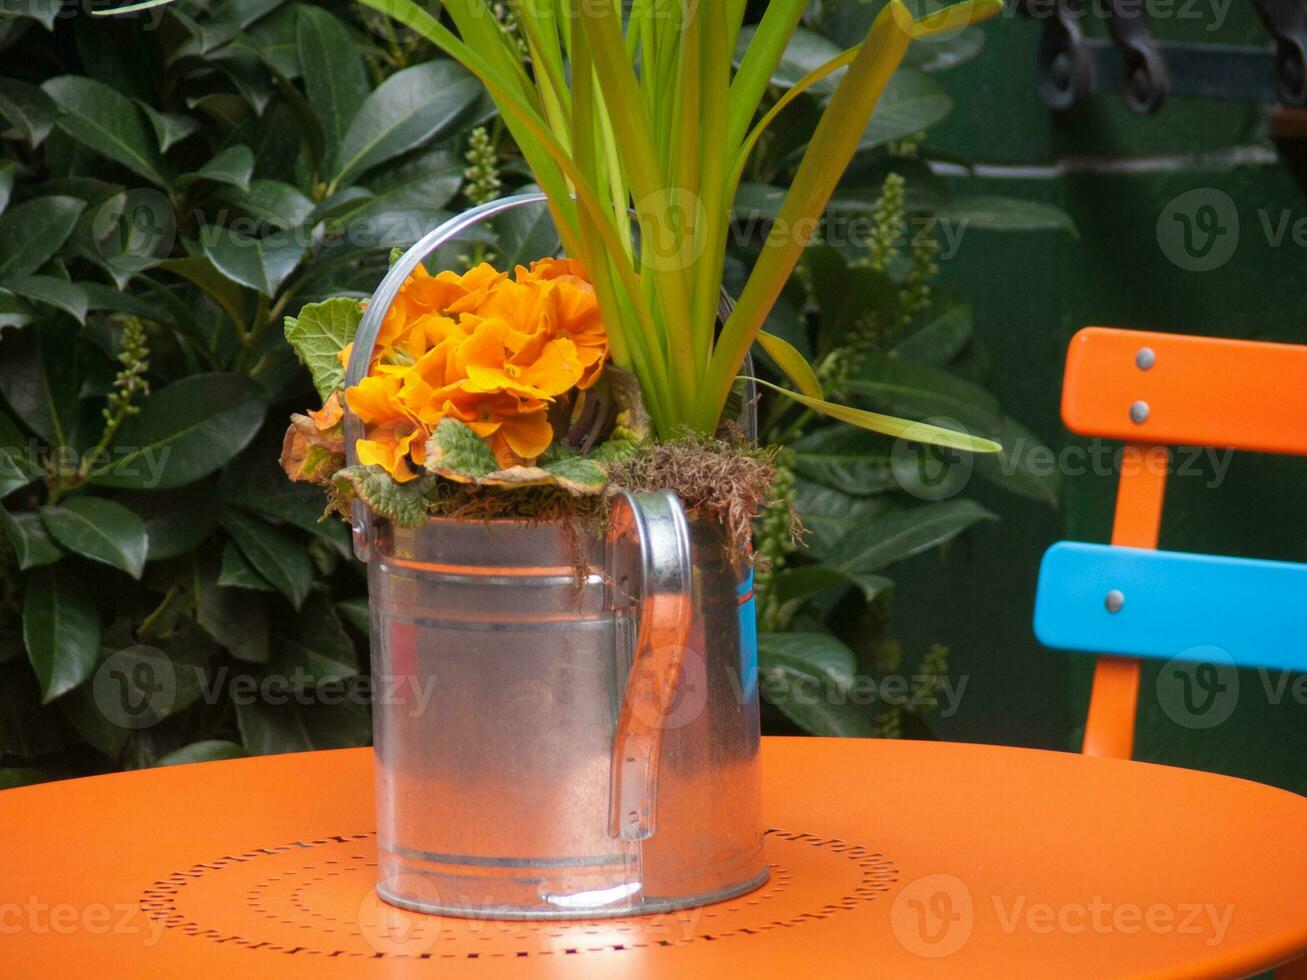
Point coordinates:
pixel 28 109
pixel 236 572
pixel 44 11
pixel 7 170
pixel 404 111
pixel 14 312
pixel 275 555
pixel 850 460
pixel 996 213
pixel 319 334
pixel 356 613
pixel 789 360
pixel 17 467
pixel 901 534
pixel 830 515
pixel 32 544
pixel 176 521
pixel 233 166
pixel 809 677
pixel 806 51
pixel 426 180
pixel 225 292
pixel 335 75
pixel 403 504
pixel 210 750
pixel 795 586
pixel 169 127
pixel 99 529
pixel 32 232
pixel 41 380
pixel 524 235
pixel 456 452
pixel 234 619
pixel 61 630
pixel 296 727
pixel 933 435
pixel 913 102
pixel 281 205
pixel 942 337
pixel 261 264
pixel 107 122
pixel 312 646
pixel 51 291
pixel 183 432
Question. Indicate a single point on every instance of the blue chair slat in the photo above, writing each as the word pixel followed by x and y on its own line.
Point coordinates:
pixel 1172 604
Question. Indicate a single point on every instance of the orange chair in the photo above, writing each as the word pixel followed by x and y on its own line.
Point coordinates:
pixel 1155 390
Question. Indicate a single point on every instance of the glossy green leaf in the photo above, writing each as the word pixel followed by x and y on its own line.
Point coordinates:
pixel 293 726
pixel 312 646
pixel 233 166
pixel 913 102
pixel 210 750
pixel 108 123
pixel 61 294
pixel 830 515
pixel 7 170
pixel 335 75
pixel 32 544
pixel 236 572
pixel 901 534
pixel 18 466
pixel 996 213
pixel 403 112
pixel 275 555
pixel 61 630
pixel 943 335
pixel 236 620
pixel 426 180
pixel 281 205
pixel 169 127
pixel 31 232
pixel 226 293
pixel 183 432
pixel 99 529
pixel 851 460
pixel 795 586
pixel 261 264
pixel 14 312
pixel 807 51
pixel 28 109
pixel 176 521
pixel 42 379
pixel 809 677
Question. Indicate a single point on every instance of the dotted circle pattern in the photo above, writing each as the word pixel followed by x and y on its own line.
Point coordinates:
pixel 316 898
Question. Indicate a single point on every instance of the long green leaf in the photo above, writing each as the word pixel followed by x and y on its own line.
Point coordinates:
pixel 932 435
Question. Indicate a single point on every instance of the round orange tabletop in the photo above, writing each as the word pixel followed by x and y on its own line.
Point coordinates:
pixel 889 859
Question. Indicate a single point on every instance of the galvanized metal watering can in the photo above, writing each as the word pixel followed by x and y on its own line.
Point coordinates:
pixel 544 752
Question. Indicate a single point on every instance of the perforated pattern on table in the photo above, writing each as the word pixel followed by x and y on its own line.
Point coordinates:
pixel 316 898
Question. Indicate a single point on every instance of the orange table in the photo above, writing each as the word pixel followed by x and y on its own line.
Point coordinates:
pixel 889 859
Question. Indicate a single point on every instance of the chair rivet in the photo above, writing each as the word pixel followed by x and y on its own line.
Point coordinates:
pixel 1145 359
pixel 1114 601
pixel 1139 413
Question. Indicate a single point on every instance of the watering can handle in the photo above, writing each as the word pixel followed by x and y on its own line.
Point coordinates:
pixel 654 527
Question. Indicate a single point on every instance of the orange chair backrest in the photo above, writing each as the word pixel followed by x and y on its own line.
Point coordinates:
pixel 1155 390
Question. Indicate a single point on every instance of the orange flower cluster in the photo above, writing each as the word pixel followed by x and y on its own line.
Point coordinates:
pixel 487 350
